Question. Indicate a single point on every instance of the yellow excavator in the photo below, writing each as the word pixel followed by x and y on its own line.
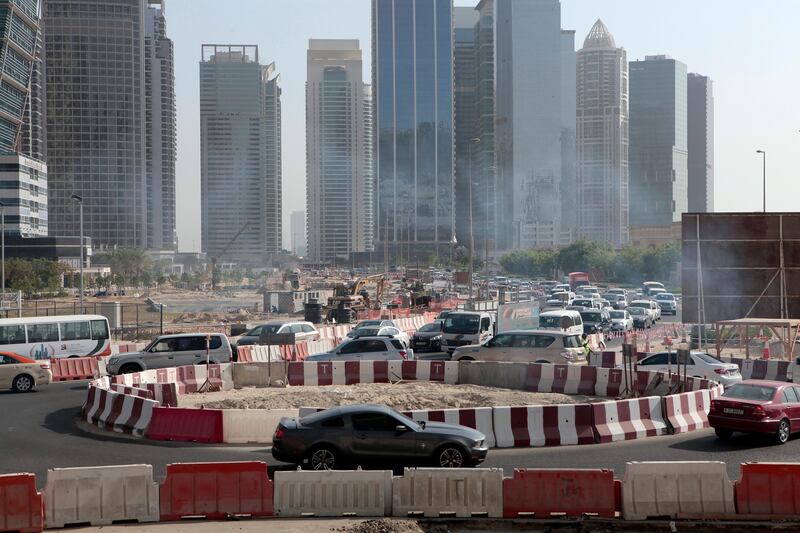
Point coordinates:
pixel 351 298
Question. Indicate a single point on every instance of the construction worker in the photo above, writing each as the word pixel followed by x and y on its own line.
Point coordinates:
pixel 585 341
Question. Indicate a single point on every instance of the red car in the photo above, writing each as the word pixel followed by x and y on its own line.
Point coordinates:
pixel 757 406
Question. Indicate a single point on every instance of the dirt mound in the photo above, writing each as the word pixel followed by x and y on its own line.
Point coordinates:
pixel 402 396
pixel 384 525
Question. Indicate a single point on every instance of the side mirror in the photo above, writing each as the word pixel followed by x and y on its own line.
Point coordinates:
pixel 400 428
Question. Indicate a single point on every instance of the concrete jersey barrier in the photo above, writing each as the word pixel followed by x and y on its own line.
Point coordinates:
pixel 543 425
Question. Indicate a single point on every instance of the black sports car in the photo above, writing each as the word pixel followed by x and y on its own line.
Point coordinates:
pixel 356 435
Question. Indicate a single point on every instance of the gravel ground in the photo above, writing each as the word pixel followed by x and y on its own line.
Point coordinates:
pixel 405 396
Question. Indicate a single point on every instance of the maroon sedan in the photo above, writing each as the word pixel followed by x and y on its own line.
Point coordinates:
pixel 756 406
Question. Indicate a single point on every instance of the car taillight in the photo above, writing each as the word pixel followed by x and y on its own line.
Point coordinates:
pixel 278 433
pixel 719 370
pixel 714 407
pixel 404 354
pixel 758 411
pixel 44 367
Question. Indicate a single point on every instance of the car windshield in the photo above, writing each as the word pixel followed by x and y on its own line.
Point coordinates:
pixel 583 303
pixel 553 322
pixel 643 305
pixel 746 391
pixel 367 324
pixel 427 328
pixel 462 324
pixel 636 310
pixel 264 330
pixel 665 296
pixel 591 317
pixel 367 332
pixel 617 314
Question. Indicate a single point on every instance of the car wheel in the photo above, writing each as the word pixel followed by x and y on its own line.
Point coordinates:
pixel 542 362
pixel 466 359
pixel 129 369
pixel 723 434
pixel 22 383
pixel 451 457
pixel 322 458
pixel 783 432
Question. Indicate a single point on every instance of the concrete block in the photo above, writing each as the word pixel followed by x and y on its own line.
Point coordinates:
pixel 491 374
pixel 241 426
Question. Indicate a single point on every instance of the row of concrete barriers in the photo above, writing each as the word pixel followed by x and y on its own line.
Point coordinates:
pixel 215 491
pixel 769 369
pixel 143 404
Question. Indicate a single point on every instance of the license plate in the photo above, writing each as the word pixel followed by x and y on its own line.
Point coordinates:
pixel 731 411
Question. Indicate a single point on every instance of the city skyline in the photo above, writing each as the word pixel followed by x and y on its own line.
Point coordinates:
pixel 710 49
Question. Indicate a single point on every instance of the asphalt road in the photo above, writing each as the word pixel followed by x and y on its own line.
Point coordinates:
pixel 39 431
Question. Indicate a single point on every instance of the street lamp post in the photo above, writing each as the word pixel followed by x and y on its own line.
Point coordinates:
pixel 79 199
pixel 764 175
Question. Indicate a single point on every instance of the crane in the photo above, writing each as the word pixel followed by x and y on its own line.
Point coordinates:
pixel 212 265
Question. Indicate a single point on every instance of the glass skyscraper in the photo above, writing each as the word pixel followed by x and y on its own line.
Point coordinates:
pixel 658 142
pixel 23 181
pixel 412 73
pixel 700 137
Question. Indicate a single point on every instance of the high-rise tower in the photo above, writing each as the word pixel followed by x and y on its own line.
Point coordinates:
pixel 602 138
pixel 412 74
pixel 700 123
pixel 658 142
pixel 240 136
pixel 339 191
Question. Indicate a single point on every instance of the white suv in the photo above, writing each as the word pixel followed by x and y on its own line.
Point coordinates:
pixel 366 349
pixel 652 308
pixel 303 331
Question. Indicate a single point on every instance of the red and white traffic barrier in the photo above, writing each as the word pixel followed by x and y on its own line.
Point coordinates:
pixel 118 412
pixel 687 411
pixel 543 425
pixel 629 419
pixel 320 373
pixel 566 379
pixel 479 418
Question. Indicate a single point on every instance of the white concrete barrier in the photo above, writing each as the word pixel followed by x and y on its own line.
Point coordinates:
pixel 460 492
pixel 673 489
pixel 242 426
pixel 333 493
pixel 100 495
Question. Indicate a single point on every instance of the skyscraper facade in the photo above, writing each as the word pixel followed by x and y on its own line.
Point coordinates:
pixel 569 187
pixel 339 194
pixel 24 179
pixel 160 130
pixel 484 162
pixel 412 85
pixel 240 135
pixel 602 139
pixel 102 138
pixel 467 175
pixel 700 123
pixel 658 142
pixel 532 134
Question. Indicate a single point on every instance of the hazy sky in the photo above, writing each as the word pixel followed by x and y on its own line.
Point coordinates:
pixel 748 47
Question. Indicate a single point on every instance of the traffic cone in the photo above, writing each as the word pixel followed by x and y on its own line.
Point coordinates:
pixel 765 355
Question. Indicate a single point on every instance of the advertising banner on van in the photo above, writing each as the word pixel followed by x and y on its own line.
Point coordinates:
pixel 522 315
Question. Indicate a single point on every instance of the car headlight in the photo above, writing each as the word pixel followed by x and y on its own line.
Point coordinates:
pixel 478 443
pixel 568 356
pixel 436 338
pixel 113 361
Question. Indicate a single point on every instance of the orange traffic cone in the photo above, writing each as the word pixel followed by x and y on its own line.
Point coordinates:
pixel 765 355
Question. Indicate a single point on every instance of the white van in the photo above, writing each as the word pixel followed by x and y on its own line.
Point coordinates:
pixel 463 328
pixel 570 322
